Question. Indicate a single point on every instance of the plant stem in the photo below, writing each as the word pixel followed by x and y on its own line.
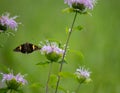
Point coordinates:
pixel 77 90
pixel 65 50
pixel 47 84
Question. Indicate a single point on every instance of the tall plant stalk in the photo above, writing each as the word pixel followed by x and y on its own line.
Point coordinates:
pixel 47 84
pixel 65 50
pixel 77 90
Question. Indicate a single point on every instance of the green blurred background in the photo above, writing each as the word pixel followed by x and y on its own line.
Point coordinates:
pixel 43 19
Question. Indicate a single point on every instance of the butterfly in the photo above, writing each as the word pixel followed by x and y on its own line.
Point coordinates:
pixel 26 48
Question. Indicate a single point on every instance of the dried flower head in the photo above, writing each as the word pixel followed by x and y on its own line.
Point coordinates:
pixel 8 22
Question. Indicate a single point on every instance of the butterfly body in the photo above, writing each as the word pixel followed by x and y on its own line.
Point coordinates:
pixel 26 48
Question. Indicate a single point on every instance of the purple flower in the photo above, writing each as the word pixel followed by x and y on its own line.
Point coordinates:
pixel 46 49
pixel 80 3
pixel 8 22
pixel 7 77
pixel 18 78
pixel 52 51
pixel 52 47
pixel 82 73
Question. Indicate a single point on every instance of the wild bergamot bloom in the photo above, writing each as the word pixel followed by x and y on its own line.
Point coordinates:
pixel 83 75
pixel 80 4
pixel 52 51
pixel 13 82
pixel 8 22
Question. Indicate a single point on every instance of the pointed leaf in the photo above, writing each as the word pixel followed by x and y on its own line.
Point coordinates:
pixel 88 13
pixel 53 79
pixel 88 80
pixel 67 30
pixel 68 10
pixel 64 61
pixel 10 33
pixel 60 89
pixel 78 28
pixel 43 63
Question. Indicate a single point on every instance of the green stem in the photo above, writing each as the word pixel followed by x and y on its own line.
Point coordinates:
pixel 65 50
pixel 47 84
pixel 77 90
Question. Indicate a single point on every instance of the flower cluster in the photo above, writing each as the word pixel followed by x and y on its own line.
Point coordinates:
pixel 82 74
pixel 80 4
pixel 13 82
pixel 7 22
pixel 52 51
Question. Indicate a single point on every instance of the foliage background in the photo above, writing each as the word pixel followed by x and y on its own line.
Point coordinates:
pixel 42 19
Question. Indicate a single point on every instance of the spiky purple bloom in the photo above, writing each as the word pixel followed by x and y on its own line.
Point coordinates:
pixel 8 22
pixel 82 73
pixel 52 47
pixel 7 77
pixel 18 78
pixel 86 3
pixel 52 51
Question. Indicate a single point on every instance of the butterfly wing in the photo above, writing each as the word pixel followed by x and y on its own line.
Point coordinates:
pixel 26 48
pixel 18 49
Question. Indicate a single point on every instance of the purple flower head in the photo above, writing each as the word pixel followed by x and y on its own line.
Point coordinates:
pixel 52 51
pixel 18 78
pixel 8 22
pixel 7 77
pixel 82 73
pixel 52 47
pixel 80 3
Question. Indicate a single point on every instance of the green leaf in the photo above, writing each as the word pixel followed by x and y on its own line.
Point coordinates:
pixel 88 13
pixel 64 61
pixel 78 28
pixel 9 33
pixel 60 88
pixel 67 30
pixel 88 80
pixel 43 63
pixel 68 10
pixel 53 79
